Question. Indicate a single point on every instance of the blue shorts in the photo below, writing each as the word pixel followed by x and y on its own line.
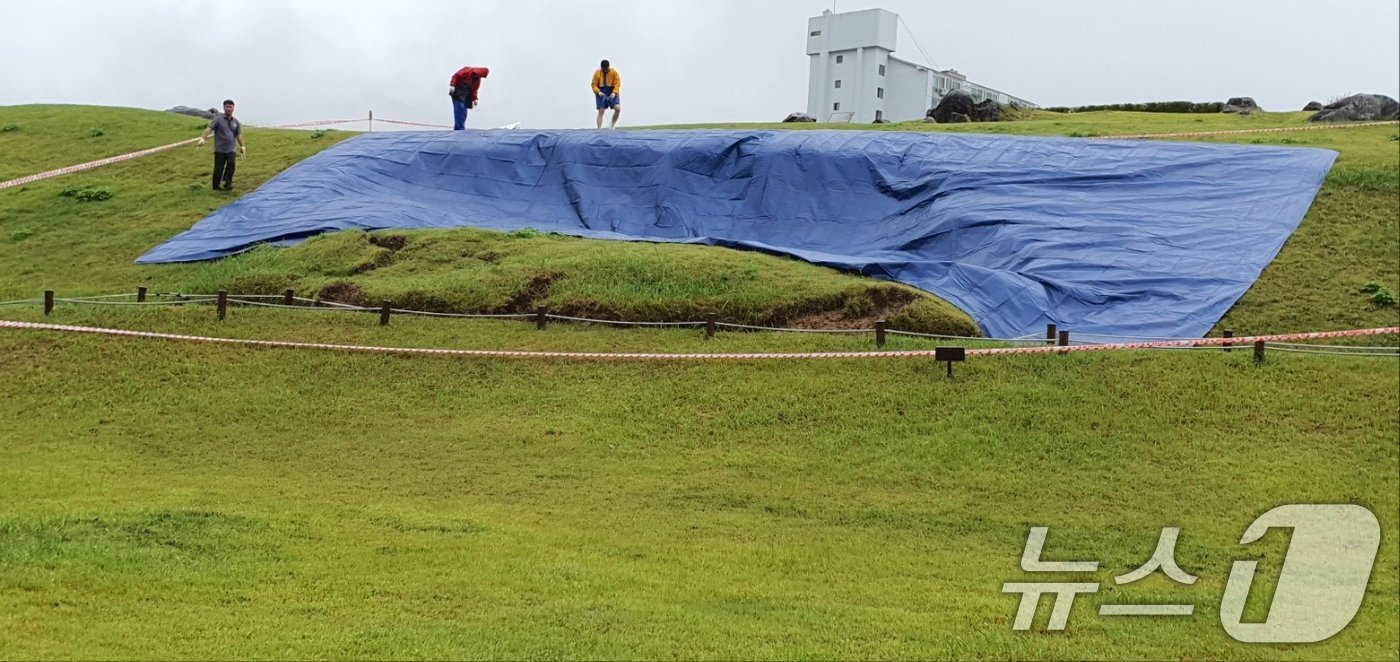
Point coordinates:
pixel 607 99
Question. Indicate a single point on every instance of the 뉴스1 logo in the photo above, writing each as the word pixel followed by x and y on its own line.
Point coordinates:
pixel 1319 591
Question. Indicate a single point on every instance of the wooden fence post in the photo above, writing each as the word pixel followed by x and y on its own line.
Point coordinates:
pixel 48 302
pixel 141 295
pixel 541 317
pixel 223 304
pixel 710 321
pixel 384 314
pixel 1228 334
pixel 880 333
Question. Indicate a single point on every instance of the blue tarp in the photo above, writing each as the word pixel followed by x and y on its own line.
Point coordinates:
pixel 1122 238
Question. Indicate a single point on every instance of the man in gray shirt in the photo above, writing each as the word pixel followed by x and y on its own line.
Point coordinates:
pixel 228 133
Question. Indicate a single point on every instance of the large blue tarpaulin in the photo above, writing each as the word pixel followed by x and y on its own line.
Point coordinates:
pixel 1121 238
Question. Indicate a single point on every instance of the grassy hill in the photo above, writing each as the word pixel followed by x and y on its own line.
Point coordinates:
pixel 162 499
pixel 1315 283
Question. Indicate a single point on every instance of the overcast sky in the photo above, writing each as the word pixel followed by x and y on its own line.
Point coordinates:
pixel 681 60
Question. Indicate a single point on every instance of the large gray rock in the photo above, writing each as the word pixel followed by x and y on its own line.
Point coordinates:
pixel 799 117
pixel 1241 105
pixel 986 111
pixel 1359 108
pixel 1313 106
pixel 959 103
pixel 195 112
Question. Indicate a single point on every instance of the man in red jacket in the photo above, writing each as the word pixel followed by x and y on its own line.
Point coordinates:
pixel 465 85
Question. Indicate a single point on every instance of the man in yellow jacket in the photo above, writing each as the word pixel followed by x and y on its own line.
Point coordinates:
pixel 607 92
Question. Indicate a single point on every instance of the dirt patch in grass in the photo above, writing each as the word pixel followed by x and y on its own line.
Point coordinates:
pixel 391 245
pixel 343 291
pixel 857 309
pixel 393 242
pixel 524 300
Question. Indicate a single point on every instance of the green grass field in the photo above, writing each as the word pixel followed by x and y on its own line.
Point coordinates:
pixel 162 499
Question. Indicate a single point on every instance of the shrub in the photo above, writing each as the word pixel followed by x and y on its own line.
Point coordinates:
pixel 95 133
pixel 318 133
pixel 86 194
pixel 1381 296
pixel 8 128
pixel 526 233
pixel 1150 107
pixel 21 235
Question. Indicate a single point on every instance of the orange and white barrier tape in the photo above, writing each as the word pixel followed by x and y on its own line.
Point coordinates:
pixel 1198 134
pixel 92 164
pixel 650 356
pixel 299 125
pixel 431 126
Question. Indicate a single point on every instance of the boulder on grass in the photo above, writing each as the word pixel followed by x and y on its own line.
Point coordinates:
pixel 1359 108
pixel 956 102
pixel 988 110
pixel 1241 105
pixel 799 117
pixel 1313 106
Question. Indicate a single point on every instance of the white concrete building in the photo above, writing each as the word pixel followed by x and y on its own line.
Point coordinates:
pixel 854 75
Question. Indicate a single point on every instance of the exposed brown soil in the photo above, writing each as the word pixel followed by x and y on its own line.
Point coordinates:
pixel 523 301
pixel 343 291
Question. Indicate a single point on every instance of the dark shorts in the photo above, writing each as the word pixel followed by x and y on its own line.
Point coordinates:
pixel 607 99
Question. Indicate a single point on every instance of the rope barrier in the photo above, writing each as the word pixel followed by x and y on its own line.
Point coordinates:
pixel 136 303
pixel 1359 348
pixel 1328 353
pixel 428 313
pixel 1042 344
pixel 402 122
pixel 617 322
pixel 299 125
pixel 680 357
pixel 751 327
pixel 939 336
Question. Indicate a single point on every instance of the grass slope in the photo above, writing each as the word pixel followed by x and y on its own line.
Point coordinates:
pixel 163 499
pixel 176 500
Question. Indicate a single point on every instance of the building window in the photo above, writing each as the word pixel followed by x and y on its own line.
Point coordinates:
pixel 840 59
pixel 836 106
pixel 879 93
pixel 882 70
pixel 838 84
pixel 818 33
